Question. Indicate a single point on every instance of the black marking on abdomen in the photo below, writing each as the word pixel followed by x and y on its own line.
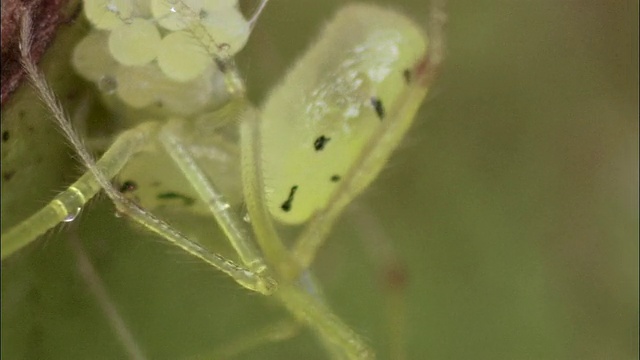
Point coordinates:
pixel 286 206
pixel 335 178
pixel 377 105
pixel 5 136
pixel 170 195
pixel 128 186
pixel 320 142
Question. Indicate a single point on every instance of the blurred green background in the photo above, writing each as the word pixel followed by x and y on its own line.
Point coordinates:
pixel 513 203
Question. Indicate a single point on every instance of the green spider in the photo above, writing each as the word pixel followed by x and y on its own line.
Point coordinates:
pixel 320 138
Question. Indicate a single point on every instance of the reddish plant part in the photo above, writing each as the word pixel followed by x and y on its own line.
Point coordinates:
pixel 47 15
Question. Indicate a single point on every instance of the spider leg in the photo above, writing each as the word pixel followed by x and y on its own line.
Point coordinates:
pixel 274 332
pixel 390 272
pixel 66 205
pixel 243 276
pixel 305 304
pixel 232 226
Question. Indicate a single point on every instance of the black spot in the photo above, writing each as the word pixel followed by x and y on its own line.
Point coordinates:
pixel 286 206
pixel 407 75
pixel 128 186
pixel 170 195
pixel 377 105
pixel 5 135
pixel 320 142
pixel 335 178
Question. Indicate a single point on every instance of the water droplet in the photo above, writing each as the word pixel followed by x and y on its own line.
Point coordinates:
pixel 173 9
pixel 246 218
pixel 225 206
pixel 108 84
pixel 72 215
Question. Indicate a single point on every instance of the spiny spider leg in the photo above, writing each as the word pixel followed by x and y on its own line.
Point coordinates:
pixel 232 227
pixel 66 205
pixel 244 276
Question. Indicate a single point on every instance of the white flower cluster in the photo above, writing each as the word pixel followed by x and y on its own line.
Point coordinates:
pixel 160 52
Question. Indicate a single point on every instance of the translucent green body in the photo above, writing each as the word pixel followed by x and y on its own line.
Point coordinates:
pixel 315 124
